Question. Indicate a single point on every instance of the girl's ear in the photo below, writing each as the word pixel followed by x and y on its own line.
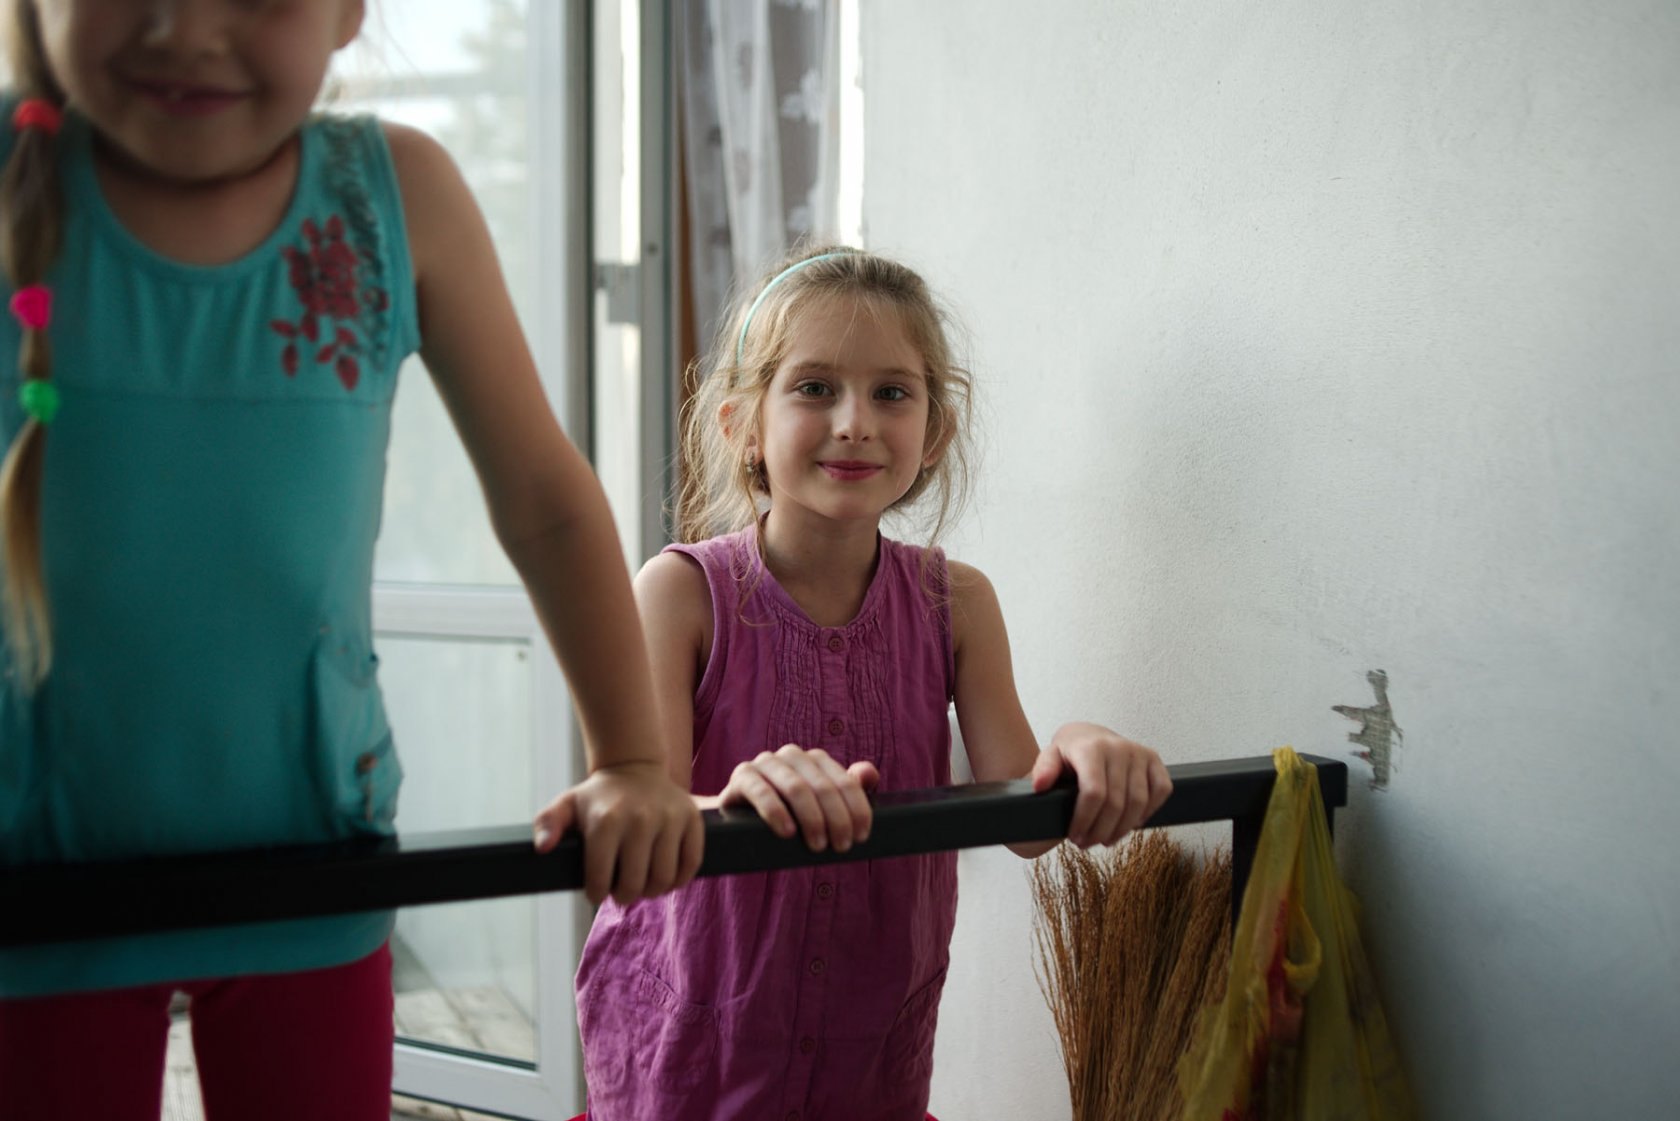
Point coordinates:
pixel 726 421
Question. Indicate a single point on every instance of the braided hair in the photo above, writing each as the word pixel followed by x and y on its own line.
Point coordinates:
pixel 31 227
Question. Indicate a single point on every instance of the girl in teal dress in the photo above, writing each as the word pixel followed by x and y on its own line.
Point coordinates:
pixel 211 287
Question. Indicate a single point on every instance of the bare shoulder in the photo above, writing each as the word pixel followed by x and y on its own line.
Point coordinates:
pixel 969 586
pixel 435 196
pixel 965 577
pixel 417 156
pixel 974 603
pixel 672 594
pixel 415 152
pixel 673 579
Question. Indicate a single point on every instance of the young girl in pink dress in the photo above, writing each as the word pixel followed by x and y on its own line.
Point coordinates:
pixel 801 660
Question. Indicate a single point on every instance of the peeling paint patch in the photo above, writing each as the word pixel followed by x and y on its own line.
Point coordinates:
pixel 1378 734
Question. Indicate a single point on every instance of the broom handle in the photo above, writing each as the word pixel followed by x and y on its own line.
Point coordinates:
pixel 64 902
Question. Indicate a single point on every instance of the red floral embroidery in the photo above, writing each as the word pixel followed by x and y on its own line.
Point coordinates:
pixel 324 274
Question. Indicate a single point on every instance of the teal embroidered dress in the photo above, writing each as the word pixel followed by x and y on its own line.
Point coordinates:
pixel 213 488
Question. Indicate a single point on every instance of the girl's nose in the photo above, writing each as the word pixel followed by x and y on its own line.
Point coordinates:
pixel 851 418
pixel 187 27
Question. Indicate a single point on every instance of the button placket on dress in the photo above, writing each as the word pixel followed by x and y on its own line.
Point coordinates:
pixel 834 689
pixel 804 1039
pixel 831 717
pixel 834 709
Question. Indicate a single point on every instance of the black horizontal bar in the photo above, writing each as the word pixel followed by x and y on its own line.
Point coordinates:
pixel 64 902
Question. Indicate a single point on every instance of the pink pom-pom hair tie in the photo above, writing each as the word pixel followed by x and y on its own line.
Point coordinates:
pixel 32 306
pixel 37 112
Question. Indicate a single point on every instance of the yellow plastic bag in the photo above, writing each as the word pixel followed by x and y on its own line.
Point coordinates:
pixel 1300 1034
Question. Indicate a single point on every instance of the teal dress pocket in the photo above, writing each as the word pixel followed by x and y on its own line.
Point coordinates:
pixel 355 758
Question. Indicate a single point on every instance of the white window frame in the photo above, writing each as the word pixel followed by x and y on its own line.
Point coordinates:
pixel 558 36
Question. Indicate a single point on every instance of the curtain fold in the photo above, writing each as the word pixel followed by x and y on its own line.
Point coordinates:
pixel 760 91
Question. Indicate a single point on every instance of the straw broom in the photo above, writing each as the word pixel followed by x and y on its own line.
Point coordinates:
pixel 1131 945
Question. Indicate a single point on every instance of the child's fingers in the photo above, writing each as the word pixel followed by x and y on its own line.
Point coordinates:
pixel 795 790
pixel 855 811
pixel 693 848
pixel 1089 804
pixel 1138 808
pixel 1110 823
pixel 748 784
pixel 664 859
pixel 867 778
pixel 810 793
pixel 1160 784
pixel 600 854
pixel 635 854
pixel 1128 790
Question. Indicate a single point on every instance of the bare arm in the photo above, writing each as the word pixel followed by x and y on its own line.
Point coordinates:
pixel 676 611
pixel 552 518
pixel 1120 782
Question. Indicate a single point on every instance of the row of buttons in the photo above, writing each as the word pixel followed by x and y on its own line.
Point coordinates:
pixel 806 1046
pixel 825 890
pixel 836 726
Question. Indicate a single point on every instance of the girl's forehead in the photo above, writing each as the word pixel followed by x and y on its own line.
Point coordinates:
pixel 851 331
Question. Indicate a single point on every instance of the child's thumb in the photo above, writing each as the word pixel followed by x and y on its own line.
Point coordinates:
pixel 555 818
pixel 866 774
pixel 1047 768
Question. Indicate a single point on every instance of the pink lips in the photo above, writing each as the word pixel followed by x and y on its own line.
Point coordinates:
pixel 848 470
pixel 182 99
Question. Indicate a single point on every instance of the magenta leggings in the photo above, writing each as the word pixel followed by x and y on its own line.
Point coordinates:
pixel 277 1047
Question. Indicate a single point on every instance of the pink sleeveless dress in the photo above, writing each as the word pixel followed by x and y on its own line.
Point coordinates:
pixel 803 995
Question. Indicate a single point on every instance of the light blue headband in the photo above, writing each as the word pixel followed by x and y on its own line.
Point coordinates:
pixel 741 343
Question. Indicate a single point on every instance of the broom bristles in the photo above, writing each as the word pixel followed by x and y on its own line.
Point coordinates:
pixel 1130 946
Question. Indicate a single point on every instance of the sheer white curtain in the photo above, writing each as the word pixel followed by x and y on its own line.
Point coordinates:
pixel 761 138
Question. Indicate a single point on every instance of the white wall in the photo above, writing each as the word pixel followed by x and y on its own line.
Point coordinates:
pixel 1316 339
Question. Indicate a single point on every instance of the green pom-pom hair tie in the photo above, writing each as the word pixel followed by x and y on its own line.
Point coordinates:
pixel 39 399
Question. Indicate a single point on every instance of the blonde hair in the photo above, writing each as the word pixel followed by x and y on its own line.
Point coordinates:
pixel 31 225
pixel 720 493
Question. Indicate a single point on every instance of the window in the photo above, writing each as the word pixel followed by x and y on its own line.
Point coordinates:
pixel 476 701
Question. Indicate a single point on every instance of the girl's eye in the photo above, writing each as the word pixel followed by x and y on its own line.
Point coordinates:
pixel 810 389
pixel 893 393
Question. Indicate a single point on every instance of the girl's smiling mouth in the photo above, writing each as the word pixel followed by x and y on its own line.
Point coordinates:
pixel 850 469
pixel 185 99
